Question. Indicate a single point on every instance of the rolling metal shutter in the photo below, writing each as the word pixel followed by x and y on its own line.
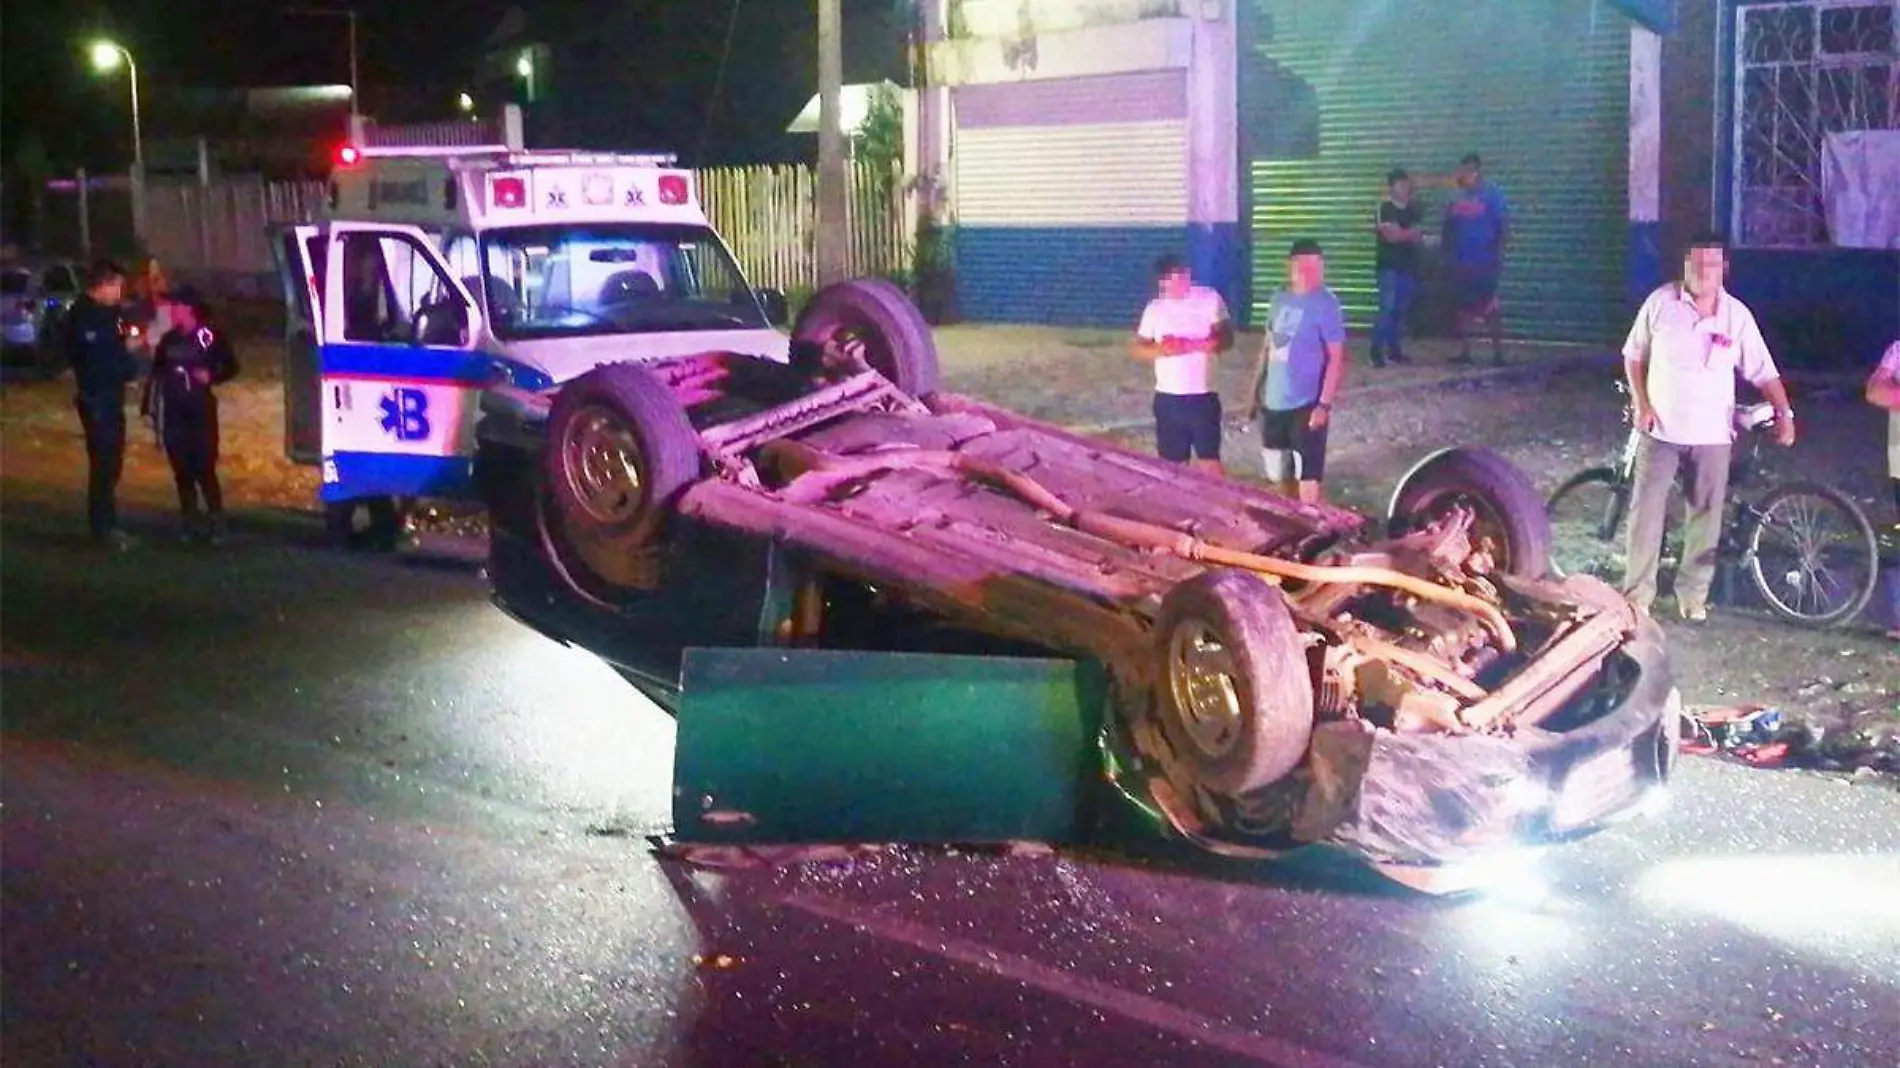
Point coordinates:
pixel 1066 191
pixel 1334 94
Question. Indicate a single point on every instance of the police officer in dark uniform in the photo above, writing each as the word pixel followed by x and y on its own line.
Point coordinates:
pixel 102 367
pixel 187 362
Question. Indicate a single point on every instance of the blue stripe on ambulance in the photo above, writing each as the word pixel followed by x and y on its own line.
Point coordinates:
pixel 397 419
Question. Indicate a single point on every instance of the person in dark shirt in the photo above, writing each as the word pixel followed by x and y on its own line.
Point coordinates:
pixel 188 361
pixel 95 348
pixel 1396 261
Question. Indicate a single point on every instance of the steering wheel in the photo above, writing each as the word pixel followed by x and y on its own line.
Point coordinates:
pixel 436 317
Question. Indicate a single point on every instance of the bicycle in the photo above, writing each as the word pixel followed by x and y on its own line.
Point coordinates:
pixel 1809 549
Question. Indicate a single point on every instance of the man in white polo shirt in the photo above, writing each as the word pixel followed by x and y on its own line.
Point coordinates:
pixel 1690 341
pixel 1181 332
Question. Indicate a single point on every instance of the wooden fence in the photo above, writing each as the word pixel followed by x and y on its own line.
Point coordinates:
pixel 769 217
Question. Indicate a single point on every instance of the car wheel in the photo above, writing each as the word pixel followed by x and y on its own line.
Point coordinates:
pixel 897 340
pixel 1235 693
pixel 1509 518
pixel 619 451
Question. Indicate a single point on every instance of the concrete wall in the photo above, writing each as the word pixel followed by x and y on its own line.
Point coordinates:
pixel 1060 85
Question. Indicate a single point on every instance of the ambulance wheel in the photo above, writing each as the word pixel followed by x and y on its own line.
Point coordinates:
pixel 1235 696
pixel 620 450
pixel 381 534
pixel 896 340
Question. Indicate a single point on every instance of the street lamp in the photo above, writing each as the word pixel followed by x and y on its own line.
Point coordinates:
pixel 465 102
pixel 524 66
pixel 106 57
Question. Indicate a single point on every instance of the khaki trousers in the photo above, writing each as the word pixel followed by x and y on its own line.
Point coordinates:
pixel 1705 471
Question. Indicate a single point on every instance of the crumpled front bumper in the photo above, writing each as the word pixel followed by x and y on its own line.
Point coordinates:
pixel 1420 799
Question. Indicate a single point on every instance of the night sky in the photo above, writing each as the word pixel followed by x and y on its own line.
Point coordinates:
pixel 414 55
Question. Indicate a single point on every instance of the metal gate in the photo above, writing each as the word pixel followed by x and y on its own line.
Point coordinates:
pixel 1334 94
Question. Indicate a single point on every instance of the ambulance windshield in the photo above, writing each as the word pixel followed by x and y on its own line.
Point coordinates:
pixel 578 280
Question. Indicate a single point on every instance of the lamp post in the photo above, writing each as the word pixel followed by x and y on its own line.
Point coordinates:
pixel 524 66
pixel 106 57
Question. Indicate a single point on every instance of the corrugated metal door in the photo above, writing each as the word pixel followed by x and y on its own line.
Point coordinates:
pixel 1334 94
pixel 1066 190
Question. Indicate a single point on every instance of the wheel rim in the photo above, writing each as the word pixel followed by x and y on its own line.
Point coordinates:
pixel 877 349
pixel 1806 558
pixel 601 459
pixel 1206 687
pixel 1488 532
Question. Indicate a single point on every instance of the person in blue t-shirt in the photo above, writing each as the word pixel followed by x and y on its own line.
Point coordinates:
pixel 1302 360
pixel 1476 234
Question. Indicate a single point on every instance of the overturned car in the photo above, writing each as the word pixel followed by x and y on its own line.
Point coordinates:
pixel 1255 672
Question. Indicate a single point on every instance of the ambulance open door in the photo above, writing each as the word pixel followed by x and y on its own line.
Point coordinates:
pixel 399 374
pixel 298 252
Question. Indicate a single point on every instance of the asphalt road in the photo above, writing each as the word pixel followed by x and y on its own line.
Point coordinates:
pixel 277 806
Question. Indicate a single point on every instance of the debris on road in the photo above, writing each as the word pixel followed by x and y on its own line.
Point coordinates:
pixel 1865 743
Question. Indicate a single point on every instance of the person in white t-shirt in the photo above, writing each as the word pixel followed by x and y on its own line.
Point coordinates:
pixel 1183 328
pixel 1883 391
pixel 1689 342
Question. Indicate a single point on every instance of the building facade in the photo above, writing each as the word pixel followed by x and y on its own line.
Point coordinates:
pixel 1752 92
pixel 1075 141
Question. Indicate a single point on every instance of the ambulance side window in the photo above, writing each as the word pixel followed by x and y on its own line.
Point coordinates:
pixel 392 291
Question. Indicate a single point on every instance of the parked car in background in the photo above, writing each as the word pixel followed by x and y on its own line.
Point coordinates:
pixel 33 302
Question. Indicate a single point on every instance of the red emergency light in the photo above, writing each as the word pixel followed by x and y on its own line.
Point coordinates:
pixel 673 189
pixel 509 192
pixel 348 156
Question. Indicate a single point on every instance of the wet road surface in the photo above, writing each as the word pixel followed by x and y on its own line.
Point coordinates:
pixel 280 806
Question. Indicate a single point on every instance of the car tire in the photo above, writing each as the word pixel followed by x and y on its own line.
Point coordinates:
pixel 1508 509
pixel 898 342
pixel 620 449
pixel 1234 692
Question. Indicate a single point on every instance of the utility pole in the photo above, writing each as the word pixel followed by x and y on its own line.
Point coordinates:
pixel 832 237
pixel 350 14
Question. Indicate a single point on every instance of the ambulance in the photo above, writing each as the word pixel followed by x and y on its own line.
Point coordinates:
pixel 440 268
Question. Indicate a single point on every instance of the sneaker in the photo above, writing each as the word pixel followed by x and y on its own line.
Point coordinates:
pixel 215 531
pixel 1693 613
pixel 115 540
pixel 1399 357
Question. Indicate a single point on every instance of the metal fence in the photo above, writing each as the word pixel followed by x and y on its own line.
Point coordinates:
pixel 213 233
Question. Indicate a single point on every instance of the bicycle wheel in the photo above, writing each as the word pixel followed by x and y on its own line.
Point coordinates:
pixel 1586 525
pixel 1812 554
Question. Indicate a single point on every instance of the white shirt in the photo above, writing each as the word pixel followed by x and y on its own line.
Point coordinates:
pixel 1889 370
pixel 1196 316
pixel 1693 361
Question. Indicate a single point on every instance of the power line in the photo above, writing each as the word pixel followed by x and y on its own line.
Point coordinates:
pixel 719 82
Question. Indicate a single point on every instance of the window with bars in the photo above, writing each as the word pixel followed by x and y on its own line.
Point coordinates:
pixel 1804 69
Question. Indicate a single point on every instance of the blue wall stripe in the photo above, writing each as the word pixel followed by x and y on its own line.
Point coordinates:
pixel 1646 269
pixel 1062 276
pixel 377 474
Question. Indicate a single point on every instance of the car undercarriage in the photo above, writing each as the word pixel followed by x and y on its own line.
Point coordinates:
pixel 1416 689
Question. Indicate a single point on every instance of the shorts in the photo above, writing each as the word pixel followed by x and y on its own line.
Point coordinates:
pixel 1187 426
pixel 1475 287
pixel 1289 431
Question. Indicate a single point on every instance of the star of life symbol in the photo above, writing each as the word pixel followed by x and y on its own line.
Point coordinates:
pixel 405 414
